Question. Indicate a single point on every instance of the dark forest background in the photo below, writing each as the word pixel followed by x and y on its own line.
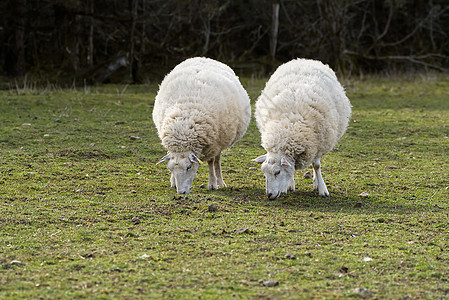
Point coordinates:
pixel 134 40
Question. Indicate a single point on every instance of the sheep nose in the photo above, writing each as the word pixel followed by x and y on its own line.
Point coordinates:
pixel 183 192
pixel 273 195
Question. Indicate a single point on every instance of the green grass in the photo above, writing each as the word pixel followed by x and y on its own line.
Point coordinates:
pixel 88 214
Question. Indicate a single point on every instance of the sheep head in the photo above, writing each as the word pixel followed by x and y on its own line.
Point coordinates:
pixel 183 167
pixel 279 174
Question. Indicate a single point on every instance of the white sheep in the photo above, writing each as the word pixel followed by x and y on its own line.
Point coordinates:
pixel 200 109
pixel 302 113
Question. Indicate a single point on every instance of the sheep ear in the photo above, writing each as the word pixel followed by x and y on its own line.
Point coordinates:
pixel 260 159
pixel 164 159
pixel 284 162
pixel 194 159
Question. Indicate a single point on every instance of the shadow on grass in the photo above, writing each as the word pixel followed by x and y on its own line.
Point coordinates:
pixel 311 201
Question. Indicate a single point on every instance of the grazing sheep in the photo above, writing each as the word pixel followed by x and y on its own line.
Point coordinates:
pixel 201 109
pixel 302 113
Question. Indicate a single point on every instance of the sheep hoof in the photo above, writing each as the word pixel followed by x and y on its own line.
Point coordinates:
pixel 222 185
pixel 212 187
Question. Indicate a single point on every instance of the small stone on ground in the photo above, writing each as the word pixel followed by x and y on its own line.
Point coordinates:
pixel 270 283
pixel 212 208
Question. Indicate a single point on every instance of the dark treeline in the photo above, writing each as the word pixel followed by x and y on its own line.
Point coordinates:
pixel 131 40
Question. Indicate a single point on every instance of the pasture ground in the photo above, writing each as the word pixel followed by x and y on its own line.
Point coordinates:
pixel 86 213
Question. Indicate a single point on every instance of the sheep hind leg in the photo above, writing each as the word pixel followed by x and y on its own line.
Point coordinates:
pixel 212 178
pixel 218 174
pixel 318 182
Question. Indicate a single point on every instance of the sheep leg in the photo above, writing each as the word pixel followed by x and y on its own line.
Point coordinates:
pixel 172 181
pixel 212 178
pixel 217 167
pixel 291 186
pixel 318 182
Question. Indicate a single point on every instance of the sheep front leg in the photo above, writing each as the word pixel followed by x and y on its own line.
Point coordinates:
pixel 172 181
pixel 212 177
pixel 318 182
pixel 217 166
pixel 291 185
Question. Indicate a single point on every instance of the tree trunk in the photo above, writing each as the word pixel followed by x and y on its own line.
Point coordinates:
pixel 274 29
pixel 15 57
pixel 90 50
pixel 75 52
pixel 132 51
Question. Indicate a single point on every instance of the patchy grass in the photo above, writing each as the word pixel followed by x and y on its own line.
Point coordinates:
pixel 86 213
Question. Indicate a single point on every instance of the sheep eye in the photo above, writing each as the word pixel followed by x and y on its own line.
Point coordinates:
pixel 277 173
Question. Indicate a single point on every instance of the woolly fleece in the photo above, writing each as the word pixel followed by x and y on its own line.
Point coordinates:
pixel 302 112
pixel 201 107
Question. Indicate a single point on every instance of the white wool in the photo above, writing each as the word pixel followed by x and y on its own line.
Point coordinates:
pixel 303 111
pixel 201 108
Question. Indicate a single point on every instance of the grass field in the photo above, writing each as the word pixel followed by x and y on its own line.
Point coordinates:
pixel 86 213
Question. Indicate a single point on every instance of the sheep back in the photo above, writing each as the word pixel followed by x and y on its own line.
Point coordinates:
pixel 201 107
pixel 303 111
